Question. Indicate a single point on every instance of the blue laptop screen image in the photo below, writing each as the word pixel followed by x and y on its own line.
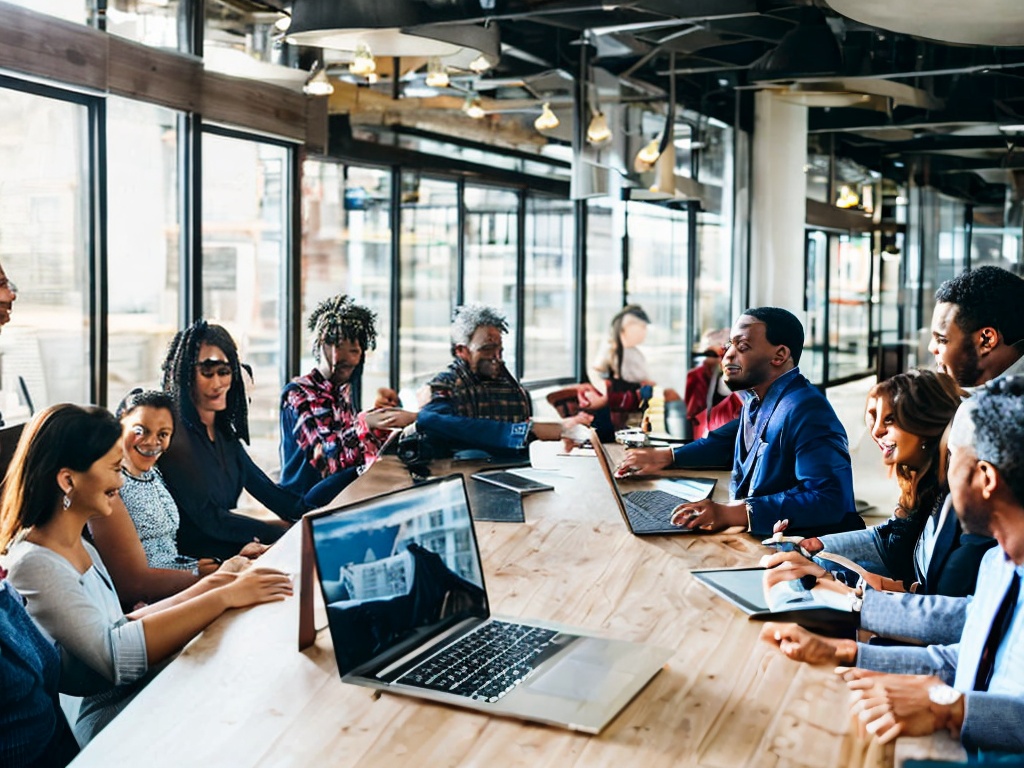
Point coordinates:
pixel 396 570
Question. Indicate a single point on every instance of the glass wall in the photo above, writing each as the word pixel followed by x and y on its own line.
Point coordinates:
pixel 69 10
pixel 658 250
pixel 491 248
pixel 346 248
pixel 143 247
pixel 150 22
pixel 849 304
pixel 245 225
pixel 549 293
pixel 45 248
pixel 429 245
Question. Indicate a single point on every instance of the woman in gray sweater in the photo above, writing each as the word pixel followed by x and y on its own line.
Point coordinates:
pixel 65 471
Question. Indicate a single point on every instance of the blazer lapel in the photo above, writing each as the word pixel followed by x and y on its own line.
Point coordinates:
pixel 747 463
pixel 944 540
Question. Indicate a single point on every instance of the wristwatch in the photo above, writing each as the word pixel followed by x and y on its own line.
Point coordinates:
pixel 943 695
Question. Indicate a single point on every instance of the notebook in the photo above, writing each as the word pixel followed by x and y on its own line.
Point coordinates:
pixel 408 613
pixel 812 608
pixel 648 513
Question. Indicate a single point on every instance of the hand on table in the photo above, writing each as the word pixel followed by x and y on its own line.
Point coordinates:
pixel 710 515
pixel 800 644
pixel 789 566
pixel 389 418
pixel 253 549
pixel 258 585
pixel 886 706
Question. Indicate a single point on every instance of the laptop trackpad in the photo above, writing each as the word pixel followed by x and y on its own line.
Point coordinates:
pixel 583 674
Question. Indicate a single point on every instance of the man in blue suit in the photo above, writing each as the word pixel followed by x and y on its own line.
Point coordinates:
pixel 787 450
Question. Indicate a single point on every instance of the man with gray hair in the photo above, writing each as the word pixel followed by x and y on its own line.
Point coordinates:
pixel 476 403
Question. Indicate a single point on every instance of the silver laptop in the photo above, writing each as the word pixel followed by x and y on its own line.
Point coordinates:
pixel 649 513
pixel 407 609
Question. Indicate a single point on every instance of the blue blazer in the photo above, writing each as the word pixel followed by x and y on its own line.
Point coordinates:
pixel 799 468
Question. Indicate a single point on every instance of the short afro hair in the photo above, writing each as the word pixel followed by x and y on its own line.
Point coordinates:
pixel 987 297
pixel 781 327
pixel 468 317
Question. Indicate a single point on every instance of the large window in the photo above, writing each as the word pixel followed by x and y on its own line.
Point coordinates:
pixel 45 249
pixel 658 248
pixel 346 248
pixel 604 275
pixel 151 22
pixel 429 245
pixel 492 242
pixel 143 250
pixel 550 311
pixel 245 225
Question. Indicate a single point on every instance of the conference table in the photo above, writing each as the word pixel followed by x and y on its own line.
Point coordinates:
pixel 243 694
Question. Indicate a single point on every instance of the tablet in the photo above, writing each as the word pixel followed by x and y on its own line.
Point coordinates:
pixel 511 481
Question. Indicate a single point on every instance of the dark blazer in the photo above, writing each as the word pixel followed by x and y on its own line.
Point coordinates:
pixel 956 558
pixel 799 467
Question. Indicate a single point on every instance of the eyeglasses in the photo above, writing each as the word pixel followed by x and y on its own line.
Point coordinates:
pixel 213 367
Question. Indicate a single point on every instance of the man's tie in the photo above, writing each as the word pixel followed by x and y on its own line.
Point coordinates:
pixel 1000 626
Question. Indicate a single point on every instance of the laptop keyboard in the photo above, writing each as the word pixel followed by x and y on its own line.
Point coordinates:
pixel 485 664
pixel 651 510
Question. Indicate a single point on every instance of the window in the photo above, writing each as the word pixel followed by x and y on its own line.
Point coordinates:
pixel 429 247
pixel 245 226
pixel 45 249
pixel 604 276
pixel 346 248
pixel 550 311
pixel 143 250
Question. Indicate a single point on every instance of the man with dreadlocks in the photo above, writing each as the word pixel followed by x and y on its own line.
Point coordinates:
pixel 325 441
pixel 476 402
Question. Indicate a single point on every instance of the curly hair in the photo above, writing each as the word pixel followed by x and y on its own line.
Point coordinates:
pixel 923 403
pixel 339 318
pixel 61 436
pixel 144 398
pixel 987 297
pixel 179 380
pixel 468 317
pixel 998 418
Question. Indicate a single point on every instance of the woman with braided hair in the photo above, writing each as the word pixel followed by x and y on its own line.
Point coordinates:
pixel 325 441
pixel 207 467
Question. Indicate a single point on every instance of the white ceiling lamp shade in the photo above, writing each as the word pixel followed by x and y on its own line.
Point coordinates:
pixel 318 83
pixel 979 22
pixel 400 28
pixel 547 120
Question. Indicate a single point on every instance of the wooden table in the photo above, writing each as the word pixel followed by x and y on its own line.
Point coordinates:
pixel 243 695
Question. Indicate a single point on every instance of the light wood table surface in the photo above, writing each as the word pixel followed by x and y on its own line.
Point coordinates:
pixel 243 695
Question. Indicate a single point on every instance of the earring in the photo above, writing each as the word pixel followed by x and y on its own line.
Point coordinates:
pixel 66 501
pixel 924 446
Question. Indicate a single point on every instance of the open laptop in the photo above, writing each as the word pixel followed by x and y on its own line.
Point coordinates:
pixel 408 612
pixel 650 512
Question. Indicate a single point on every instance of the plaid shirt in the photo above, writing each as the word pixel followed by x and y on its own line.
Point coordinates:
pixel 501 399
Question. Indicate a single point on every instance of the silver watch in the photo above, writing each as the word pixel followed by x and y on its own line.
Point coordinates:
pixel 943 695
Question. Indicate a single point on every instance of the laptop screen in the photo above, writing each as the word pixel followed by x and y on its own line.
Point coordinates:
pixel 398 569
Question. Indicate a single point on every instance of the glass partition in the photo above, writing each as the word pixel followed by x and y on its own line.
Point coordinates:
pixel 150 22
pixel 346 248
pixel 143 247
pixel 45 249
pixel 549 295
pixel 849 305
pixel 245 226
pixel 491 247
pixel 604 274
pixel 429 245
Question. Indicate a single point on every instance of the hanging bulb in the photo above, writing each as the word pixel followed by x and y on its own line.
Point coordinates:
pixel 547 119
pixel 648 156
pixel 282 24
pixel 598 130
pixel 437 75
pixel 363 63
pixel 473 108
pixel 318 83
pixel 480 64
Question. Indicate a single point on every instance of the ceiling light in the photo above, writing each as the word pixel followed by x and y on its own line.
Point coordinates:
pixel 648 156
pixel 598 130
pixel 318 83
pixel 282 24
pixel 547 119
pixel 437 75
pixel 480 64
pixel 363 63
pixel 473 108
pixel 847 198
pixel 1018 128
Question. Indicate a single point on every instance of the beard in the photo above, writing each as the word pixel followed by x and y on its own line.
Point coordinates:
pixel 967 372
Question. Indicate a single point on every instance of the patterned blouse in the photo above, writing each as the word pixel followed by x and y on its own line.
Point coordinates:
pixel 155 515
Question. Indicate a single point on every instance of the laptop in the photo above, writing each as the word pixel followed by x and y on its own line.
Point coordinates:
pixel 408 612
pixel 650 512
pixel 812 608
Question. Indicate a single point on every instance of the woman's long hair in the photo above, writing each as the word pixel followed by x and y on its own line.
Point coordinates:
pixel 923 403
pixel 610 365
pixel 179 381
pixel 63 436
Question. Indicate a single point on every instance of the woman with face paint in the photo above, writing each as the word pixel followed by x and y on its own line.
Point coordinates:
pixel 138 541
